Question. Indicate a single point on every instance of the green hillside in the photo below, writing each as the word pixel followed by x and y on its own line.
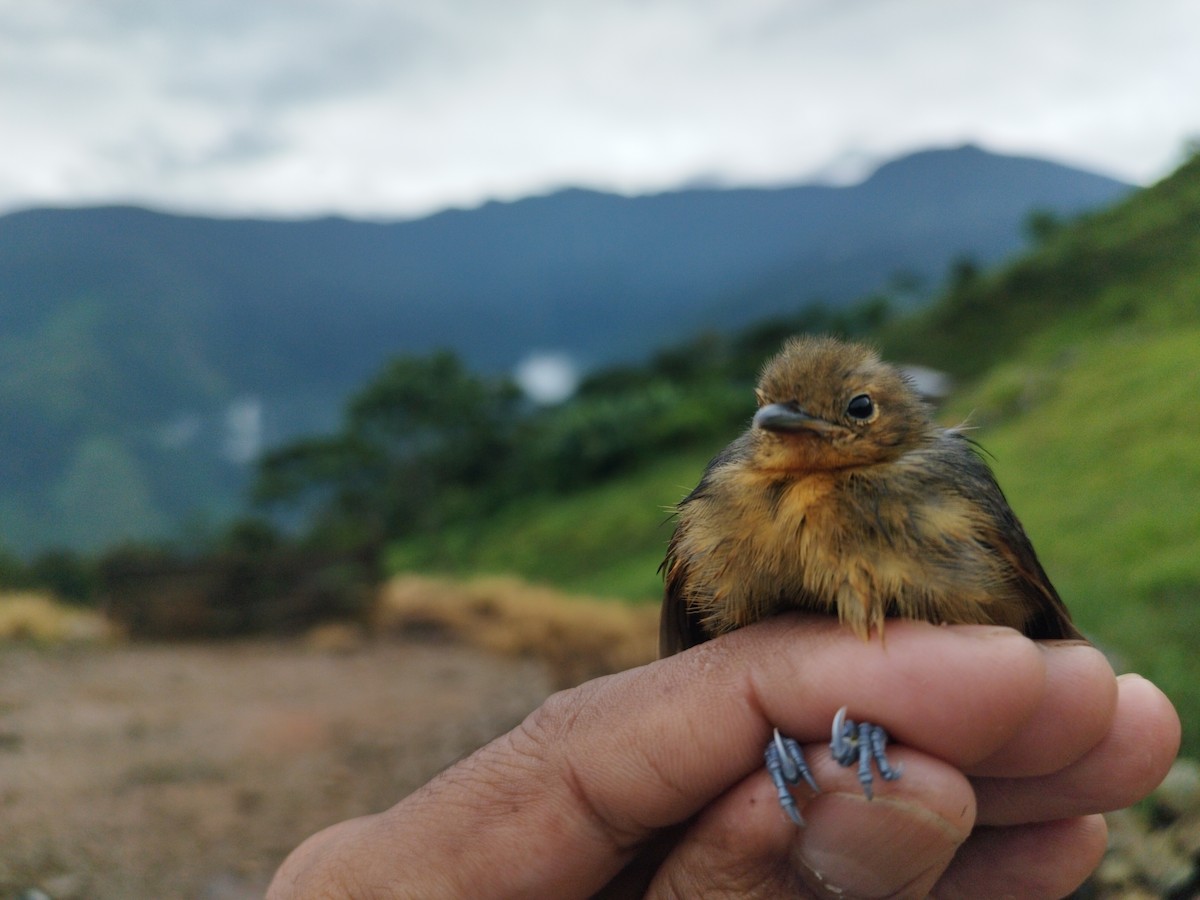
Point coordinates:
pixel 1134 268
pixel 607 540
pixel 1080 367
pixel 1090 402
pixel 1102 463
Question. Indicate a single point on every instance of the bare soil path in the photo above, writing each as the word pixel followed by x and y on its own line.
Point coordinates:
pixel 157 771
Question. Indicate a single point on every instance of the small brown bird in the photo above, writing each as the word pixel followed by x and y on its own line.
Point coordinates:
pixel 845 497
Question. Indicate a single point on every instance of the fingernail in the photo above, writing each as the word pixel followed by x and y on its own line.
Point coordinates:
pixel 872 848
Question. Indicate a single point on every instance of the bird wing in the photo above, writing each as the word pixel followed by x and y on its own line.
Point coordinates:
pixel 1047 618
pixel 678 626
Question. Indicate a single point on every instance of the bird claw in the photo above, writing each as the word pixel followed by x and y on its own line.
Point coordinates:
pixel 851 742
pixel 862 743
pixel 786 766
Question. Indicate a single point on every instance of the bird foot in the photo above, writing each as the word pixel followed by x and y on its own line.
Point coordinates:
pixel 851 742
pixel 786 766
pixel 864 743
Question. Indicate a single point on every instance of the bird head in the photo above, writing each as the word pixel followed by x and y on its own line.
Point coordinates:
pixel 827 404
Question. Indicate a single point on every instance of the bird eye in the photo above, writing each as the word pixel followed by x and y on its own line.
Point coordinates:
pixel 861 407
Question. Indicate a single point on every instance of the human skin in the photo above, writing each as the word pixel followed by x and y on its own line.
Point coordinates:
pixel 654 777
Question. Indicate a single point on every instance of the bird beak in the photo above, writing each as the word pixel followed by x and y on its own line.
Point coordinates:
pixel 790 418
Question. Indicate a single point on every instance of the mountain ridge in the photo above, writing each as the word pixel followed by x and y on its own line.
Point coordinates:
pixel 119 322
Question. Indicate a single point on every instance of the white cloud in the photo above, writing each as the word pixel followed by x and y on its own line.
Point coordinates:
pixel 393 107
pixel 243 431
pixel 547 378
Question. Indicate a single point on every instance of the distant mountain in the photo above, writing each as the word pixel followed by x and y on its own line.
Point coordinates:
pixel 145 358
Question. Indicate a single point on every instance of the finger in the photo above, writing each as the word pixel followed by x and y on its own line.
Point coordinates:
pixel 343 860
pixel 595 771
pixel 694 724
pixel 1074 715
pixel 1049 859
pixel 895 845
pixel 1125 766
pixel 960 704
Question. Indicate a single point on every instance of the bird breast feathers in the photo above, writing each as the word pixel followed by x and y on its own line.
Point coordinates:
pixel 830 541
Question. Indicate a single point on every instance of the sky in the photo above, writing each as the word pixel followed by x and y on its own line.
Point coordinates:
pixel 389 109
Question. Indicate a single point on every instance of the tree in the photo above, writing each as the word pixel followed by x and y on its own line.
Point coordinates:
pixel 418 442
pixel 964 274
pixel 1041 225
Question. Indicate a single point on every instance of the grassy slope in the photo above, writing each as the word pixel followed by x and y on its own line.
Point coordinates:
pixel 1083 363
pixel 1103 467
pixel 1137 264
pixel 605 541
pixel 1093 417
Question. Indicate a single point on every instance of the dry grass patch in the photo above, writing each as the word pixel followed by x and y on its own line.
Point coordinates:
pixel 36 617
pixel 579 638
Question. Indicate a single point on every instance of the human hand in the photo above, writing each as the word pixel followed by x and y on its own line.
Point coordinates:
pixel 651 781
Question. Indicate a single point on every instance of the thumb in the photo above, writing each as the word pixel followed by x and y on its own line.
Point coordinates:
pixel 895 845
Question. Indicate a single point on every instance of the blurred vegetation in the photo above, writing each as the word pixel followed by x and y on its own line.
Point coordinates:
pixel 1082 363
pixel 39 618
pixel 578 638
pixel 1077 362
pixel 604 540
pixel 64 573
pixel 1095 443
pixel 427 446
pixel 435 467
pixel 418 441
pixel 253 580
pixel 1137 262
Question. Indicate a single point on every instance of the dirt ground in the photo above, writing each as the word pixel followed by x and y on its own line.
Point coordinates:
pixel 153 771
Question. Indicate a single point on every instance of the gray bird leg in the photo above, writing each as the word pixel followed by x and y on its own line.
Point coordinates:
pixel 862 743
pixel 786 765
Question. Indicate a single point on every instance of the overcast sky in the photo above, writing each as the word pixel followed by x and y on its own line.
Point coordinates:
pixel 393 108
